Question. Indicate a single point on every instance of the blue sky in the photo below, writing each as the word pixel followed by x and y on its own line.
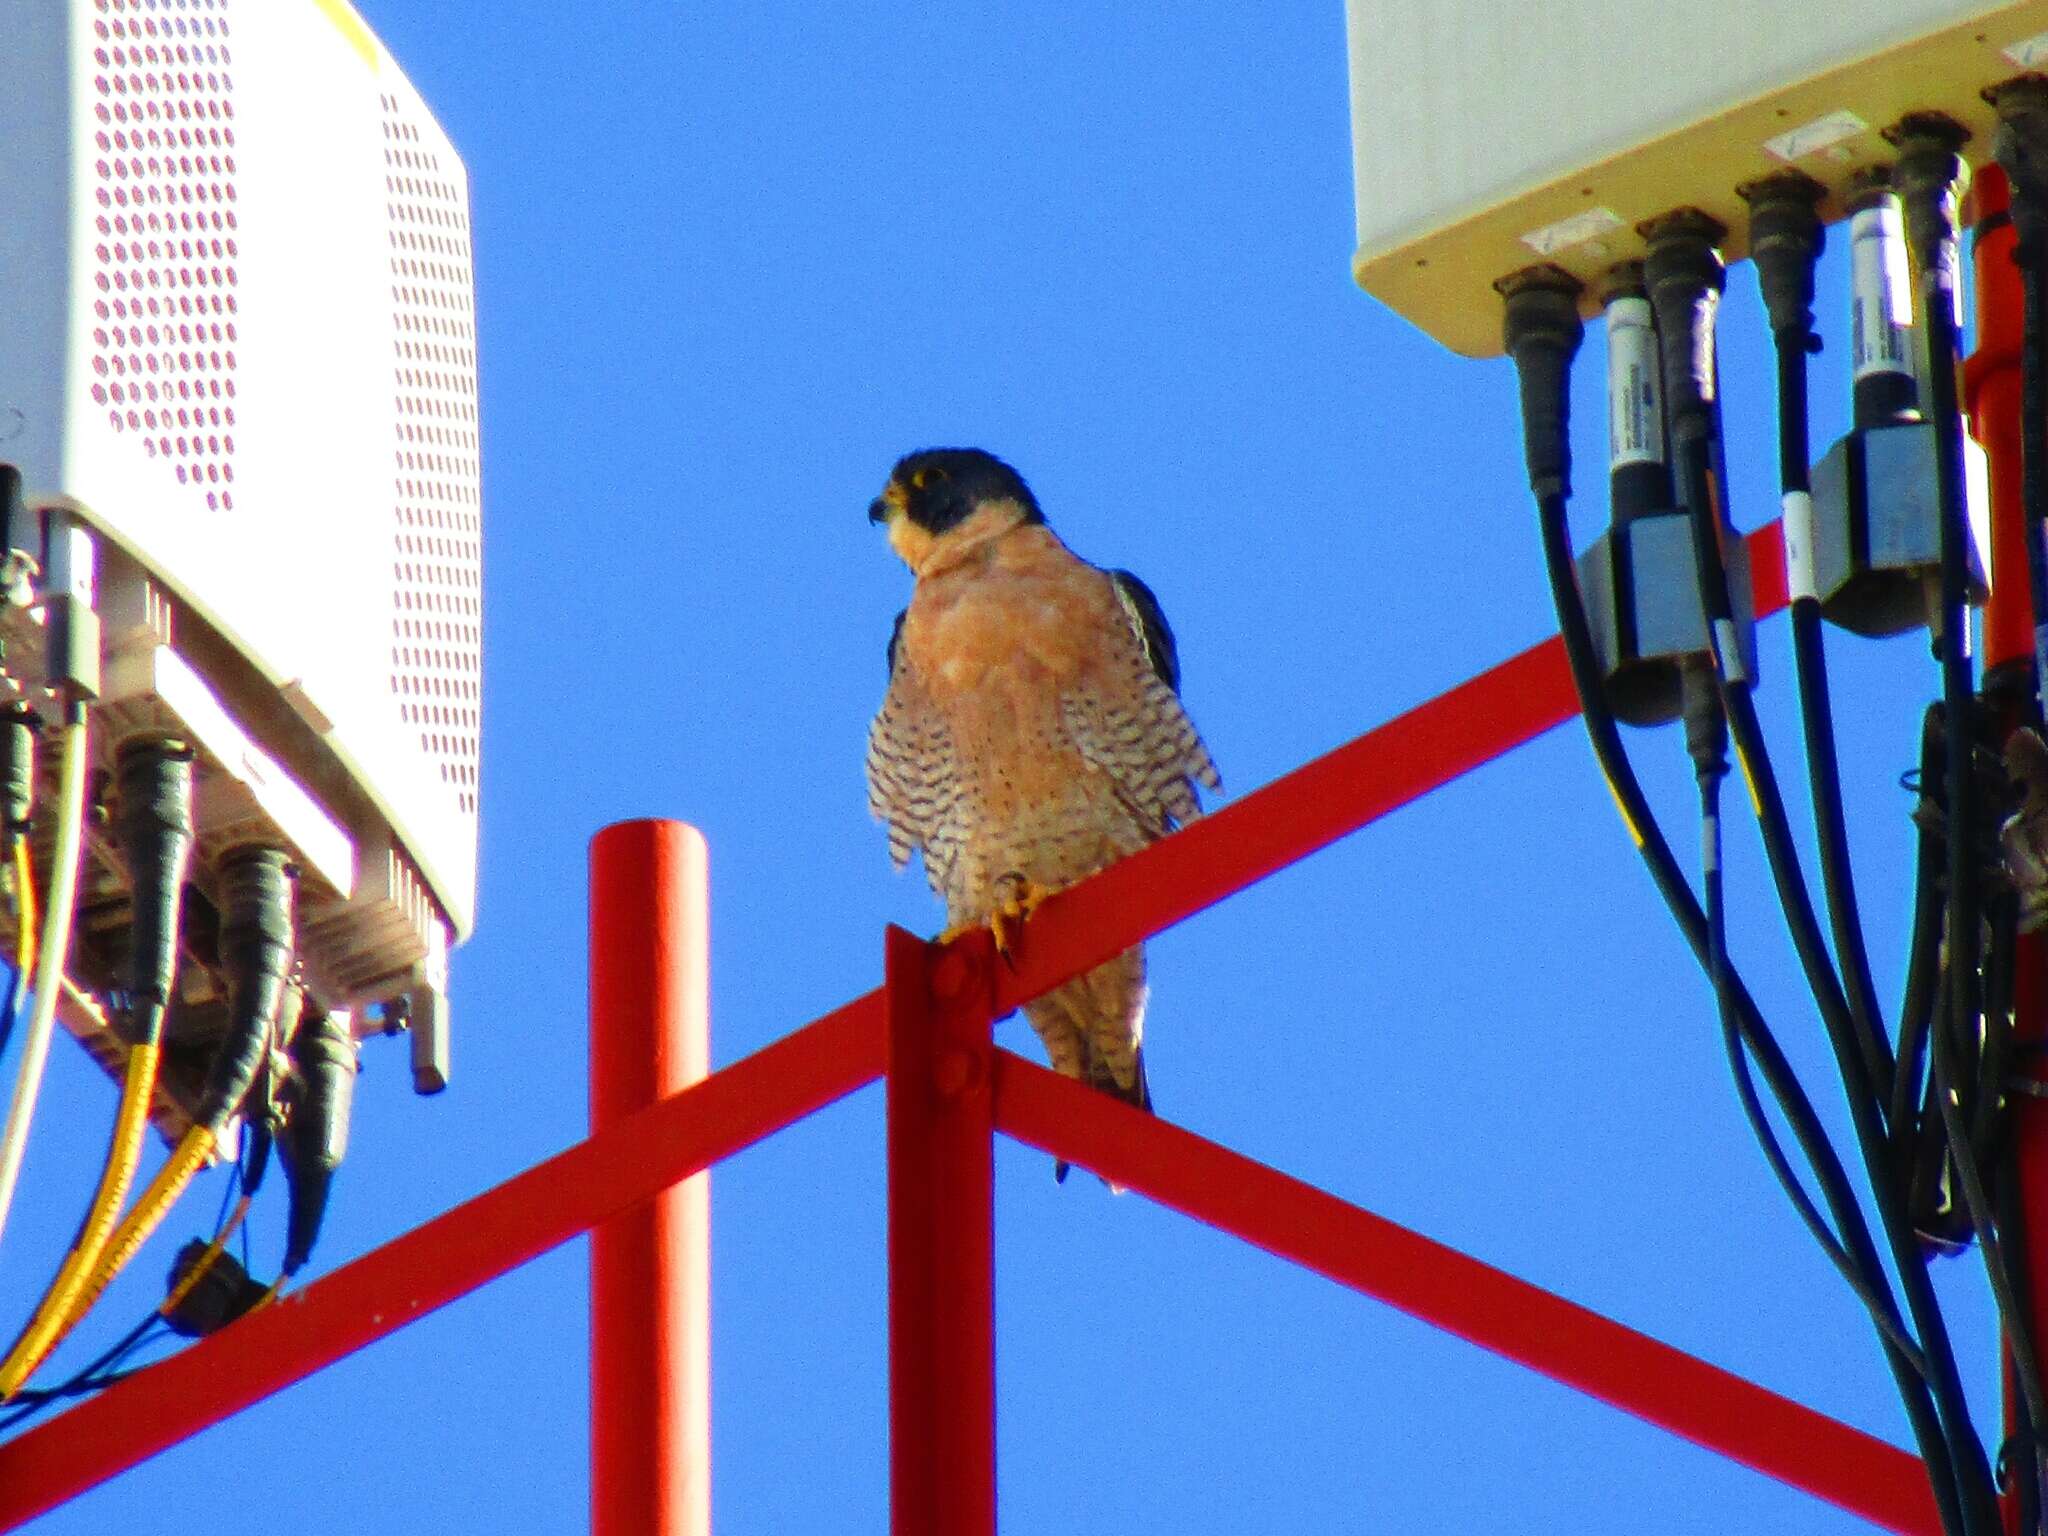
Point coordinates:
pixel 733 260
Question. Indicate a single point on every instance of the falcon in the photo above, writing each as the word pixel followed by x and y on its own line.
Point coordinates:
pixel 1032 733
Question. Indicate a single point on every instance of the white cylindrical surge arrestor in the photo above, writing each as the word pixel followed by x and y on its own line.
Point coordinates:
pixel 1638 475
pixel 1880 308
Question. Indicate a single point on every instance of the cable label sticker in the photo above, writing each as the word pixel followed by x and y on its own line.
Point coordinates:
pixel 1576 230
pixel 1799 537
pixel 1811 138
pixel 1728 651
pixel 1635 418
pixel 1881 302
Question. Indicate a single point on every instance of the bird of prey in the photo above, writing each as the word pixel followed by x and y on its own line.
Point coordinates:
pixel 1032 732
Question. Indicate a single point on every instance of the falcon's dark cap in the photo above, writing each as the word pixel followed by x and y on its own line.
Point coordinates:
pixel 939 488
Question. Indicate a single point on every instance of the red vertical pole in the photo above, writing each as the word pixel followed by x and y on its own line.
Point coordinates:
pixel 1992 386
pixel 942 1396
pixel 650 1270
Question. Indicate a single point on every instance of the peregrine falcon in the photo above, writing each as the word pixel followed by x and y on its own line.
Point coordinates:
pixel 1032 732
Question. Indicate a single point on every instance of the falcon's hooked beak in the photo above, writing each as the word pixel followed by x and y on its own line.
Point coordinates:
pixel 889 505
pixel 891 509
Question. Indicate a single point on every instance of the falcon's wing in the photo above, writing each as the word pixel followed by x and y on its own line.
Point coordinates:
pixel 913 788
pixel 896 638
pixel 1126 718
pixel 1154 633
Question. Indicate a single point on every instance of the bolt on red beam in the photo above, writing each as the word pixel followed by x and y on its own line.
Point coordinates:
pixel 445 1258
pixel 941 1154
pixel 650 1269
pixel 1461 1295
pixel 1306 810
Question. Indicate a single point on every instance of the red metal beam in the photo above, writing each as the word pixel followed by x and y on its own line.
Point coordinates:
pixel 1449 1290
pixel 447 1257
pixel 1991 391
pixel 1992 385
pixel 650 1269
pixel 1315 805
pixel 1278 825
pixel 942 1335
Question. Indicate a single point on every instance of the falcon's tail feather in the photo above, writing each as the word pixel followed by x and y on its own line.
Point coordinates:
pixel 1138 1096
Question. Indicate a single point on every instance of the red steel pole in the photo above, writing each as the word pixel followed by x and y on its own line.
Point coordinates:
pixel 942 1337
pixel 1992 389
pixel 650 1269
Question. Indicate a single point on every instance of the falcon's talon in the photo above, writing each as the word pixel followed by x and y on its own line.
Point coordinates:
pixel 1016 899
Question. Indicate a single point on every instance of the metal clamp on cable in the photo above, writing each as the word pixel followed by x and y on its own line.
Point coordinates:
pixel 1875 557
pixel 1640 576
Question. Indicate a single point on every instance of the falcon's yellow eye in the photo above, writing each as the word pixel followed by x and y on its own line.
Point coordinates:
pixel 926 478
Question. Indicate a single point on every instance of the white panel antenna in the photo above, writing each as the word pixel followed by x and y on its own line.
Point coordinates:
pixel 1489 138
pixel 237 341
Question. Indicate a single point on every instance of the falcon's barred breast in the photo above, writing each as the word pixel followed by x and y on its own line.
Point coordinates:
pixel 1032 732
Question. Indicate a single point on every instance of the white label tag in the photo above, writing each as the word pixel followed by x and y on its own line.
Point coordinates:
pixel 1576 230
pixel 1635 418
pixel 1809 138
pixel 1799 580
pixel 1881 299
pixel 2029 52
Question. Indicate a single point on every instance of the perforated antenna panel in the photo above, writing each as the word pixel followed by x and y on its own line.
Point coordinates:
pixel 163 360
pixel 437 624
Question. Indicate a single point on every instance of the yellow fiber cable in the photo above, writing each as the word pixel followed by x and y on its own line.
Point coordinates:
pixel 24 908
pixel 54 1315
pixel 149 1209
pixel 156 1200
pixel 51 948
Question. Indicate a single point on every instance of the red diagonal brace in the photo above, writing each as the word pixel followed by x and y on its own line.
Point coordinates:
pixel 1449 1290
pixel 942 1342
pixel 434 1264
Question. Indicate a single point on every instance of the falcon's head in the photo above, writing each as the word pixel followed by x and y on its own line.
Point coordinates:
pixel 934 491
